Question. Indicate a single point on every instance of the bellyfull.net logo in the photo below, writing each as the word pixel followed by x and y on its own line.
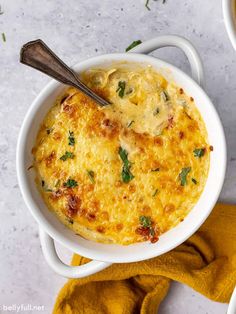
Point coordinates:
pixel 19 308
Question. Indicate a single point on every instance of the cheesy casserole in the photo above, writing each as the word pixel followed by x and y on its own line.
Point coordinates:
pixel 127 172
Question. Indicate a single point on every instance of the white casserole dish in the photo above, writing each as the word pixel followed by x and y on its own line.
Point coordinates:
pixel 229 14
pixel 232 304
pixel 103 255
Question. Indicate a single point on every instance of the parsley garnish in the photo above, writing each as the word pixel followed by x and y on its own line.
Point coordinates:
pixel 194 181
pixel 134 44
pixel 125 174
pixel 199 152
pixel 4 37
pixel 155 193
pixel 130 123
pixel 70 183
pixel 67 155
pixel 121 89
pixel 145 221
pixel 146 5
pixel 156 111
pixel 91 175
pixel 71 138
pixel 165 96
pixel 183 175
pixel 147 2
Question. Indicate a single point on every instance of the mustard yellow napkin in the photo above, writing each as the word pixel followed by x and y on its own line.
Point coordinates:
pixel 206 262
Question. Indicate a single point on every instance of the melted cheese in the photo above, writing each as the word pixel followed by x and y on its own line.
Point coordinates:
pixel 100 205
pixel 144 106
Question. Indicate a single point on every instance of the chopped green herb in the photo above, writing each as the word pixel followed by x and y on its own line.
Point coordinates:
pixel 146 5
pixel 155 193
pixel 147 2
pixel 4 37
pixel 183 175
pixel 124 156
pixel 130 123
pixel 48 190
pixel 134 44
pixel 165 96
pixel 42 183
pixel 121 89
pixel 194 181
pixel 156 111
pixel 199 152
pixel 145 221
pixel 126 173
pixel 91 175
pixel 70 183
pixel 155 170
pixel 67 155
pixel 71 138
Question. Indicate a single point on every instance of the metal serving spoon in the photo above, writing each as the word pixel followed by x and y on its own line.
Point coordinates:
pixel 39 56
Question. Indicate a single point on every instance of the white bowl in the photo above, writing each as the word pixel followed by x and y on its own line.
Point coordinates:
pixel 229 13
pixel 232 304
pixel 105 254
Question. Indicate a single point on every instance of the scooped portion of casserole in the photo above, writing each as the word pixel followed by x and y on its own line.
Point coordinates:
pixel 127 172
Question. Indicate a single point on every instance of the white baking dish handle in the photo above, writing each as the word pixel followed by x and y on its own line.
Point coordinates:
pixel 62 269
pixel 181 43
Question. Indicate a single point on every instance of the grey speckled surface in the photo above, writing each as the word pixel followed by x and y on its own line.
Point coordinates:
pixel 78 30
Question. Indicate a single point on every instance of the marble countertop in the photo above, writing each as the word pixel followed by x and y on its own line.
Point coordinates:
pixel 78 30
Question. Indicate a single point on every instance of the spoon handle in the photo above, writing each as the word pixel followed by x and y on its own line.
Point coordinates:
pixel 39 56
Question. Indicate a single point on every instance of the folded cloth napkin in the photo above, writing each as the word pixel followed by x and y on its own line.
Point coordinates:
pixel 206 262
